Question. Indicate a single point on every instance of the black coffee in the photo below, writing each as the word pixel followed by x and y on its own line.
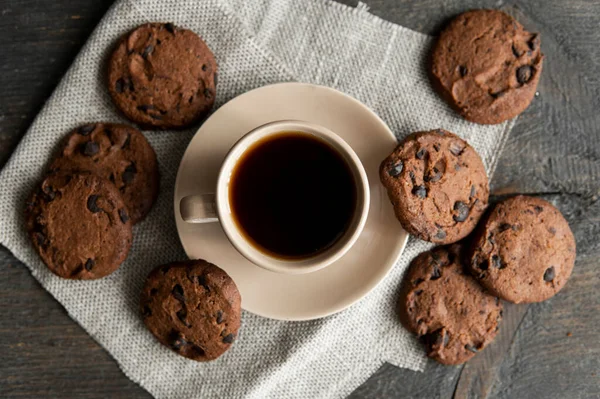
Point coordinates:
pixel 292 195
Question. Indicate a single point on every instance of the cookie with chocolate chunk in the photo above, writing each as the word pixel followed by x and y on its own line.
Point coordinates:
pixel 163 77
pixel 193 308
pixel 118 153
pixel 79 225
pixel 487 66
pixel 437 184
pixel 453 315
pixel 524 251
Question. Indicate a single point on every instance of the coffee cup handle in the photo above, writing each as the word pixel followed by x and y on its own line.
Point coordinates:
pixel 198 208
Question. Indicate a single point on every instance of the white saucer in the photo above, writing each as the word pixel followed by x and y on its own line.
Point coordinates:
pixel 305 296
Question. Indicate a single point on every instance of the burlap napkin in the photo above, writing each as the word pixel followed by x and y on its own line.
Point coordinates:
pixel 256 43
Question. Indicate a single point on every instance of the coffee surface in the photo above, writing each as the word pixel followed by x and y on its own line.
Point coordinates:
pixel 292 195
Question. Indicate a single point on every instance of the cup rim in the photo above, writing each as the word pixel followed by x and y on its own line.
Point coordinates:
pixel 302 265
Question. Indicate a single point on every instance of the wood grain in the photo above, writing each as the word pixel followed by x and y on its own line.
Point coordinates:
pixel 548 350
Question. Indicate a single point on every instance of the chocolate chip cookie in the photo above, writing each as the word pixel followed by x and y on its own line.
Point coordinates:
pixel 161 76
pixel 118 153
pixel 192 307
pixel 437 184
pixel 524 251
pixel 441 303
pixel 79 225
pixel 487 66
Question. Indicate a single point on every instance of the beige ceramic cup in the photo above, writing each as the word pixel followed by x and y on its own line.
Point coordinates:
pixel 215 207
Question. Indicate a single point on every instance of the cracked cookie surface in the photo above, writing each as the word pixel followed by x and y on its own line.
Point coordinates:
pixel 118 153
pixel 524 251
pixel 440 302
pixel 161 76
pixel 437 185
pixel 487 66
pixel 192 307
pixel 79 225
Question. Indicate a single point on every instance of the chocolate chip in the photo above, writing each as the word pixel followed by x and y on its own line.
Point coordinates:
pixel 86 129
pixel 219 316
pixel 498 94
pixel 462 210
pixel 123 215
pixel 145 108
pixel 436 273
pixel 441 132
pixel 417 281
pixel 534 42
pixel 146 312
pixel 437 338
pixel 177 341
pixel 178 293
pixel 49 193
pixel 418 292
pixel 201 280
pixel 89 264
pixel 182 315
pixel 440 235
pixel 125 145
pixel 129 173
pixel 204 67
pixel 472 193
pixel 462 70
pixel 552 230
pixel 497 262
pixel 524 74
pixel 457 148
pixel 515 51
pixel 421 153
pixel 549 274
pixel 207 94
pixel 446 339
pixel 40 238
pixel 396 169
pixel 504 227
pixel 165 269
pixel 170 27
pixel 147 51
pixel 538 209
pixel 420 191
pixel 92 205
pixel 112 178
pixel 229 338
pixel 435 176
pixel 484 265
pixel 153 291
pixel 156 117
pixel 436 147
pixel 120 85
pixel 215 78
pixel 411 174
pixel 471 348
pixel 440 337
pixel 90 148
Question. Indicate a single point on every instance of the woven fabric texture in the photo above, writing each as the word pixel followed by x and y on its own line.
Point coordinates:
pixel 256 43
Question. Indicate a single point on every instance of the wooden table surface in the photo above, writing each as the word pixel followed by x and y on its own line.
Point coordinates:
pixel 547 350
